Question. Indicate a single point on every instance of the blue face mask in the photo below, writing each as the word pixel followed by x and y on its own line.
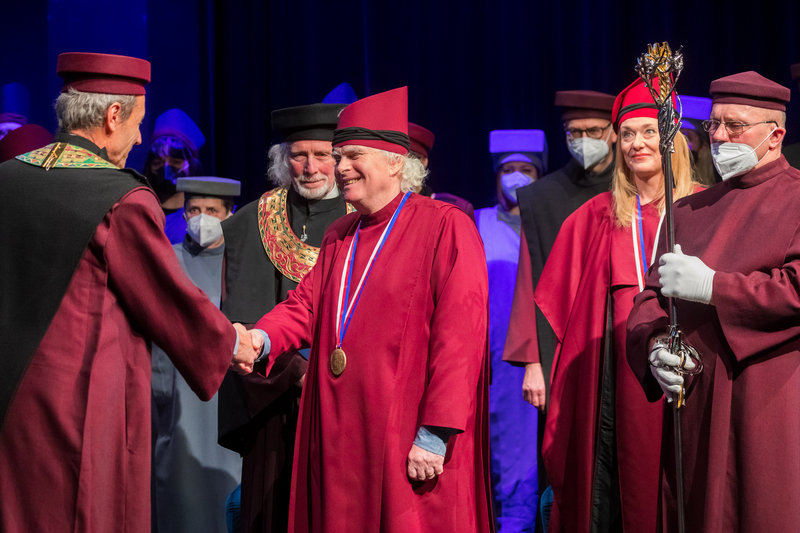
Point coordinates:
pixel 511 182
pixel 172 174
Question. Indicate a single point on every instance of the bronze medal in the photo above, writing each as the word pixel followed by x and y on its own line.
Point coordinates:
pixel 337 362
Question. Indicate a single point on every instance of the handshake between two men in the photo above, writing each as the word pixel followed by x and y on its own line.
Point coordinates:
pixel 250 345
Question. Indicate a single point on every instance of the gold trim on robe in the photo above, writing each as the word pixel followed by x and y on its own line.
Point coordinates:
pixel 292 257
pixel 71 156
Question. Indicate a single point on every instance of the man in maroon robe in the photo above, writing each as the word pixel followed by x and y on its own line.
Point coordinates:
pixel 735 280
pixel 393 426
pixel 88 280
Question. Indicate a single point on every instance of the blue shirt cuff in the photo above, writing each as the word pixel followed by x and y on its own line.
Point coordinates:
pixel 266 348
pixel 433 439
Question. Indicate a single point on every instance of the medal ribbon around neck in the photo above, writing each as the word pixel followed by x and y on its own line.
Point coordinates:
pixel 641 268
pixel 343 319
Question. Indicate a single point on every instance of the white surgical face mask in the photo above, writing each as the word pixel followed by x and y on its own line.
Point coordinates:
pixel 587 151
pixel 511 182
pixel 204 229
pixel 734 159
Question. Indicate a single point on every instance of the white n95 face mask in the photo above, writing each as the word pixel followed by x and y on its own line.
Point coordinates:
pixel 204 229
pixel 734 159
pixel 587 151
pixel 511 182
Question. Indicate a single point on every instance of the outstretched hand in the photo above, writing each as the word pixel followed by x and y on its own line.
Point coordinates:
pixel 250 344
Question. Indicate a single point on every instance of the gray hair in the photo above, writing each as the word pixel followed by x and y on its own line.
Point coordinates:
pixel 278 170
pixel 413 173
pixel 78 110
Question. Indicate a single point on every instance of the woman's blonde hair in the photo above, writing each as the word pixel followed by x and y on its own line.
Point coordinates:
pixel 623 188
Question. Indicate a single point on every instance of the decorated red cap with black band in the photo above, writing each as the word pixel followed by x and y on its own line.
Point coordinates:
pixel 421 139
pixel 378 121
pixel 635 101
pixel 584 104
pixel 750 88
pixel 103 73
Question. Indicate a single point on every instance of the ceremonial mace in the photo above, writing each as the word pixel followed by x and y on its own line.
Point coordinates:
pixel 659 62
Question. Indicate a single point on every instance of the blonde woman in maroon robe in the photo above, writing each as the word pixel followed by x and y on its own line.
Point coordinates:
pixel 602 436
pixel 392 433
pixel 736 283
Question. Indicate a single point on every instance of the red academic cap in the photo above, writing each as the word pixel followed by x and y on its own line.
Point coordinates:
pixel 421 139
pixel 103 73
pixel 377 121
pixel 750 88
pixel 22 140
pixel 635 101
pixel 584 104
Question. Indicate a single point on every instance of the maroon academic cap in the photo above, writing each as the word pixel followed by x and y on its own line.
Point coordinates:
pixel 750 88
pixel 378 121
pixel 795 71
pixel 421 139
pixel 22 140
pixel 584 104
pixel 103 73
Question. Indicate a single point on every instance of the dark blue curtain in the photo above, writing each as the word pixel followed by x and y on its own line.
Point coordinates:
pixel 470 66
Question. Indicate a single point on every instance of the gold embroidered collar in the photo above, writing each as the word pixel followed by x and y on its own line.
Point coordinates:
pixel 64 155
pixel 292 257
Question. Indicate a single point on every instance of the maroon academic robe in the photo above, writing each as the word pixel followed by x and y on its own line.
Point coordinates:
pixel 75 446
pixel 416 355
pixel 592 256
pixel 740 425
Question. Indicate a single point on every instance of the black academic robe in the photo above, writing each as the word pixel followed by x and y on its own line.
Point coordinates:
pixel 257 416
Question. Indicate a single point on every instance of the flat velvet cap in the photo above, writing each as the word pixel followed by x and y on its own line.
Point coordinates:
pixel 22 140
pixel 750 88
pixel 103 73
pixel 178 124
pixel 378 121
pixel 584 104
pixel 529 146
pixel 421 139
pixel 635 101
pixel 795 69
pixel 209 186
pixel 314 122
pixel 15 103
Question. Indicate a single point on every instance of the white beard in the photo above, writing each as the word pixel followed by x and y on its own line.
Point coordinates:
pixel 317 193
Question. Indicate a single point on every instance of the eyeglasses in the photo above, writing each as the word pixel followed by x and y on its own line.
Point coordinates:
pixel 595 132
pixel 733 128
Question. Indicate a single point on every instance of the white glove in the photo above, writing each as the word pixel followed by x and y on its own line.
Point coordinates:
pixel 685 277
pixel 663 364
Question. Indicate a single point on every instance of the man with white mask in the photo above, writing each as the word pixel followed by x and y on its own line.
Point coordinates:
pixel 544 205
pixel 734 281
pixel 192 475
pixel 520 157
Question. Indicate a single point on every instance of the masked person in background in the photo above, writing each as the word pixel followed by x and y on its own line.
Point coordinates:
pixel 192 474
pixel 544 205
pixel 694 110
pixel 173 154
pixel 520 157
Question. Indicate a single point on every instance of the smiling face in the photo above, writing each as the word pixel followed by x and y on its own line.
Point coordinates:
pixel 368 178
pixel 638 140
pixel 123 134
pixel 312 168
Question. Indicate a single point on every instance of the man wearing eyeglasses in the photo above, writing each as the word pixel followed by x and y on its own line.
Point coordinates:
pixel 544 205
pixel 736 284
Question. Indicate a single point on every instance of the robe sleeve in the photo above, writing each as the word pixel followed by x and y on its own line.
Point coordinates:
pixel 459 325
pixel 759 311
pixel 289 324
pixel 161 300
pixel 521 340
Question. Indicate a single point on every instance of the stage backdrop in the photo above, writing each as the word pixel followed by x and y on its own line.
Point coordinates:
pixel 471 66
